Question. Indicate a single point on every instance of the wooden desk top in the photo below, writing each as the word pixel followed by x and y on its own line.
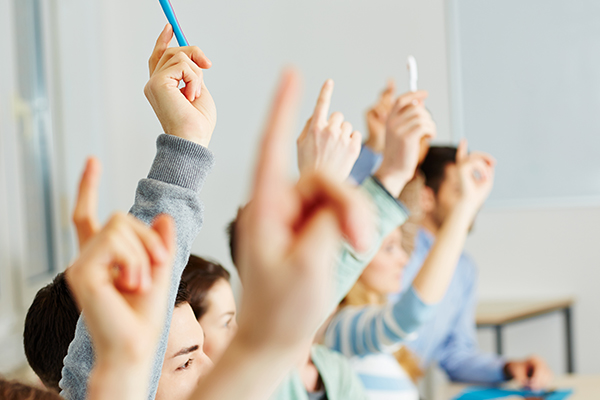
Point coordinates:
pixel 505 311
pixel 585 387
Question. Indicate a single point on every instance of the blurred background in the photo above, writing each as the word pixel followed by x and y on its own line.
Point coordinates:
pixel 519 79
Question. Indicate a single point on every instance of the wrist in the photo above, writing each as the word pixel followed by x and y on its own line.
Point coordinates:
pixel 393 181
pixel 119 380
pixel 376 145
pixel 202 140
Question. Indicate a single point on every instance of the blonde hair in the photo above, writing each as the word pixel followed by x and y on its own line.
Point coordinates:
pixel 361 295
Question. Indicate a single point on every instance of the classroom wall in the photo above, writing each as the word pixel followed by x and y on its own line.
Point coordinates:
pixel 358 44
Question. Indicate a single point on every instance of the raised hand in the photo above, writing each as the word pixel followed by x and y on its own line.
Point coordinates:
pixel 327 144
pixel 289 235
pixel 476 171
pixel 377 117
pixel 408 127
pixel 189 112
pixel 85 213
pixel 120 281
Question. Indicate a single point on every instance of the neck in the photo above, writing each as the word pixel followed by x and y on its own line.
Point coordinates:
pixel 309 373
pixel 373 297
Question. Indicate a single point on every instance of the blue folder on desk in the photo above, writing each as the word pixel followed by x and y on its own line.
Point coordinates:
pixel 479 393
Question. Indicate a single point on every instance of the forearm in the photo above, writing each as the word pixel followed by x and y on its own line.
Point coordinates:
pixel 248 371
pixel 377 329
pixel 389 215
pixel 116 381
pixel 438 269
pixel 474 367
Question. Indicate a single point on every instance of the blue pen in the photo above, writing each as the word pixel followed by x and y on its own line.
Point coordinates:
pixel 168 9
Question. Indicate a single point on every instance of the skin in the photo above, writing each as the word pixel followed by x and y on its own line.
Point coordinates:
pixel 219 321
pixel 533 372
pixel 185 360
pixel 384 274
pixel 437 208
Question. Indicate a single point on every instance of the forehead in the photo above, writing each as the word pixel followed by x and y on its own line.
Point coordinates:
pixel 220 297
pixel 185 330
pixel 451 173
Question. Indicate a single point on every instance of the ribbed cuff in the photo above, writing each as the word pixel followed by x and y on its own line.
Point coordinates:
pixel 181 162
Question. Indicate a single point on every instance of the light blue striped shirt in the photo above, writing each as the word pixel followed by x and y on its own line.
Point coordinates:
pixel 369 335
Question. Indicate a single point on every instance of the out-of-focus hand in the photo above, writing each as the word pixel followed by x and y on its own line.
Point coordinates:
pixel 377 117
pixel 189 112
pixel 85 213
pixel 408 125
pixel 121 280
pixel 532 373
pixel 476 171
pixel 328 145
pixel 289 236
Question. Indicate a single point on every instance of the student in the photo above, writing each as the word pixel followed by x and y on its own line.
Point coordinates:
pixel 450 339
pixel 177 175
pixel 125 314
pixel 212 300
pixel 11 390
pixel 53 317
pixel 371 333
pixel 168 66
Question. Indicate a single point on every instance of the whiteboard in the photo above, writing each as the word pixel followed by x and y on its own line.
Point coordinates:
pixel 525 86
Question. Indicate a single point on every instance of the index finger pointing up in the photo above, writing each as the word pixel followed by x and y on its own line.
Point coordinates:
pixel 271 165
pixel 162 44
pixel 323 103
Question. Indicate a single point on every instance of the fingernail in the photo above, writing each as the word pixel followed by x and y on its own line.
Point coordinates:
pixel 415 102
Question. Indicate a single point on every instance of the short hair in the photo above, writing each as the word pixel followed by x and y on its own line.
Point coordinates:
pixel 434 165
pixel 12 390
pixel 50 327
pixel 200 275
pixel 232 236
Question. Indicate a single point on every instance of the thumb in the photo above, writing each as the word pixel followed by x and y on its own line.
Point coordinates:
pixel 165 227
pixel 409 98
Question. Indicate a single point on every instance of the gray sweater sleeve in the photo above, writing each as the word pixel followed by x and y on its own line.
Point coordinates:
pixel 172 187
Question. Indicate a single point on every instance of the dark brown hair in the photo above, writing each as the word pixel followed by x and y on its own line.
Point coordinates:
pixel 49 329
pixel 199 276
pixel 434 165
pixel 12 390
pixel 232 236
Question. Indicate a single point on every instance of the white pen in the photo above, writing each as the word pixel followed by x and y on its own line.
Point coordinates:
pixel 413 74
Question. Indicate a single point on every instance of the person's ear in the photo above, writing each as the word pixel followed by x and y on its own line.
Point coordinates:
pixel 427 200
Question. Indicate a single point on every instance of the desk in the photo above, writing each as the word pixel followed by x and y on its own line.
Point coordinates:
pixel 585 387
pixel 498 314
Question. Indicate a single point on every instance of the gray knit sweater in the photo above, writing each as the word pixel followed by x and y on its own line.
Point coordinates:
pixel 172 187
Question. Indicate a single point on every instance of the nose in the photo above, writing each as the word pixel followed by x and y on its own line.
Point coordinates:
pixel 207 365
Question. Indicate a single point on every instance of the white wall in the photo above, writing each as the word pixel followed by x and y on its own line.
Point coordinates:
pixel 357 43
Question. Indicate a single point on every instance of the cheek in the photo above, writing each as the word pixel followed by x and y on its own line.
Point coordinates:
pixel 215 343
pixel 177 385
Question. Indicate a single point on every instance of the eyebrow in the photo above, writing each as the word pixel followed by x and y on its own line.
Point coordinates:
pixel 187 350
